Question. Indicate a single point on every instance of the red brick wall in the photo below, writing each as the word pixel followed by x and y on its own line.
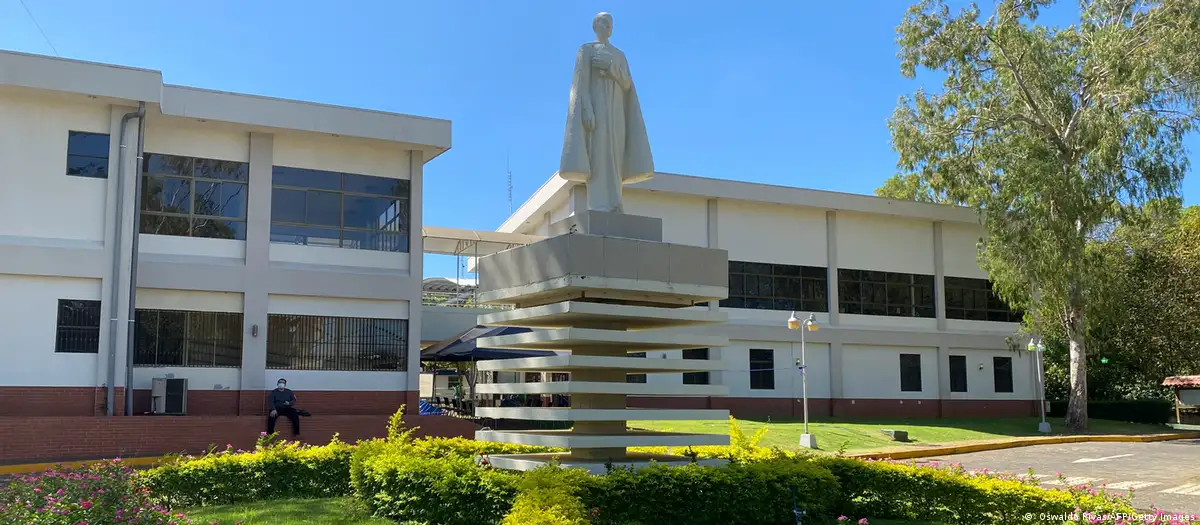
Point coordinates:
pixel 57 401
pixel 45 439
pixel 90 401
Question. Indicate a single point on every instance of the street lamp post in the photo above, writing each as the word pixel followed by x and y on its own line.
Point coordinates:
pixel 1038 349
pixel 807 440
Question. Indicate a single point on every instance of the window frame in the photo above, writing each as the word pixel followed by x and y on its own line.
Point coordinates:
pixel 965 381
pixel 402 216
pixel 194 219
pixel 338 341
pixel 188 342
pixel 636 378
pixel 61 340
pixel 906 379
pixel 993 309
pixel 996 377
pixel 696 378
pixel 105 158
pixel 765 378
pixel 747 280
pixel 882 293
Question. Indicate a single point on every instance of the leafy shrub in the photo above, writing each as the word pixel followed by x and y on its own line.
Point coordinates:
pixel 547 497
pixel 751 493
pixel 1150 411
pixel 272 470
pixel 904 491
pixel 446 491
pixel 100 492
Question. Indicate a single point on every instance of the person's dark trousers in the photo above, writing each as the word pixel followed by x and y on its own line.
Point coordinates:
pixel 289 413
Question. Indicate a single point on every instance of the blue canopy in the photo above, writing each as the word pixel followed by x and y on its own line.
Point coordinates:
pixel 464 348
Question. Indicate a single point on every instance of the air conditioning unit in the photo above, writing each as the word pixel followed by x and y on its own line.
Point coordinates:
pixel 168 396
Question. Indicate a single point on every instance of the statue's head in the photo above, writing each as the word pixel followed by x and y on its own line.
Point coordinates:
pixel 602 25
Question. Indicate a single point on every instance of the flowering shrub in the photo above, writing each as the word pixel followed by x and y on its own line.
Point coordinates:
pixel 96 494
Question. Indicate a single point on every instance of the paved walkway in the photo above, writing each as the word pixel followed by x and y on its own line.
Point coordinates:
pixel 1165 474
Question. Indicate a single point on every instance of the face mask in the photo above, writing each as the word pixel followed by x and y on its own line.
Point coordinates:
pixel 282 385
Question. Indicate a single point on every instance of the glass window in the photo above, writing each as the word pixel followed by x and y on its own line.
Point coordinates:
pixel 769 286
pixel 958 373
pixel 352 211
pixel 192 197
pixel 696 378
pixel 762 369
pixel 636 378
pixel 314 342
pixel 78 327
pixel 1002 371
pixel 868 292
pixel 910 372
pixel 87 154
pixel 185 338
pixel 975 300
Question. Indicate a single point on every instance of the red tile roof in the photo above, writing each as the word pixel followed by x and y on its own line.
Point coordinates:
pixel 1184 381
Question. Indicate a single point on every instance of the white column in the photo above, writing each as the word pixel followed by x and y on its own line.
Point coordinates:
pixel 939 277
pixel 258 254
pixel 831 265
pixel 416 265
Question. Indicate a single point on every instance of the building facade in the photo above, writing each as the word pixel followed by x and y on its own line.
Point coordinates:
pixel 274 238
pixel 908 324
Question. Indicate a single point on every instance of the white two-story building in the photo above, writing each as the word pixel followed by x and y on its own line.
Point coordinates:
pixel 253 220
pixel 908 325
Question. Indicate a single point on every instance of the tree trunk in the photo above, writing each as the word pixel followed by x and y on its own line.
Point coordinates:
pixel 1077 405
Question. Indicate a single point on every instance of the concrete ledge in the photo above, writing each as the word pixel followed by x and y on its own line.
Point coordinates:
pixel 947 450
pixel 629 365
pixel 633 438
pixel 600 414
pixel 598 387
pixel 532 461
pixel 572 313
pixel 593 338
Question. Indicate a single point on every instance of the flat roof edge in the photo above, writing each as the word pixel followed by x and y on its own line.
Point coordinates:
pixel 145 85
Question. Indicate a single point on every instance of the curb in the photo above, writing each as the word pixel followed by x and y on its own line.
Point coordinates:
pixel 8 470
pixel 1027 442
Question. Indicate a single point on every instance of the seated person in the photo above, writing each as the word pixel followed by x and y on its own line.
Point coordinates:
pixel 283 403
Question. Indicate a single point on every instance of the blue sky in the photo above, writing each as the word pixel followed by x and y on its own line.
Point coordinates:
pixel 793 93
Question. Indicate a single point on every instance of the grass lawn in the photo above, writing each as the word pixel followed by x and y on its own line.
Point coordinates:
pixel 338 511
pixel 861 435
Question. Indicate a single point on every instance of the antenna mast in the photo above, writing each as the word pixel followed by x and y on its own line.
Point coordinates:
pixel 509 170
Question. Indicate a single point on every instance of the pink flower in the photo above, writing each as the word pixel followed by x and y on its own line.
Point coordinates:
pixel 842 518
pixel 862 521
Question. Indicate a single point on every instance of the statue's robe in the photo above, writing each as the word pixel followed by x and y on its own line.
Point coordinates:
pixel 617 150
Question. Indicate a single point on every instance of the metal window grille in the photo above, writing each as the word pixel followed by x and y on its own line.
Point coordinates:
pixel 313 342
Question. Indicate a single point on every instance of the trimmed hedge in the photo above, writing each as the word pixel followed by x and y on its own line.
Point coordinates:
pixel 271 471
pixel 1150 411
pixel 890 490
pixel 437 481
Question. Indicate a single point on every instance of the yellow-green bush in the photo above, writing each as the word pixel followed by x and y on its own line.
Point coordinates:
pixel 950 495
pixel 271 471
pixel 547 497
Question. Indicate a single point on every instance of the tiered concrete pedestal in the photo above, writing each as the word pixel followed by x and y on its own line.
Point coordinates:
pixel 605 287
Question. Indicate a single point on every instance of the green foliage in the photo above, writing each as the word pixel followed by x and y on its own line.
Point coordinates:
pixel 752 493
pixel 547 497
pixel 273 470
pixel 1052 134
pixel 950 495
pixel 100 492
pixel 446 491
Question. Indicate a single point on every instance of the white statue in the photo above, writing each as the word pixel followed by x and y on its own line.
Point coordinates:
pixel 605 144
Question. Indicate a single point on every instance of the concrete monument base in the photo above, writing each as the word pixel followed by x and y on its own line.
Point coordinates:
pixel 564 459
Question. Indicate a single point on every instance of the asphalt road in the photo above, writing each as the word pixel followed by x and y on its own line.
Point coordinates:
pixel 1165 475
